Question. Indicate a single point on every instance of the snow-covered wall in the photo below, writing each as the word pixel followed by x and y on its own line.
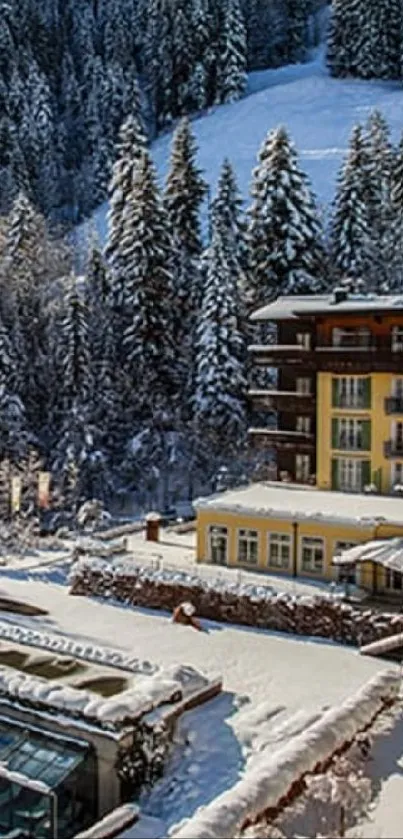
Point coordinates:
pixel 249 605
pixel 272 776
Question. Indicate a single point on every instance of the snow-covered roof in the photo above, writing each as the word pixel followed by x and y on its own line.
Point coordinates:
pixel 387 552
pixel 290 307
pixel 296 502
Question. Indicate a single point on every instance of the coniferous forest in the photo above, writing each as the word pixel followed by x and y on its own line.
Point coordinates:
pixel 133 376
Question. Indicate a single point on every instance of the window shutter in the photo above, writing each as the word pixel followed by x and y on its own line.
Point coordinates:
pixel 367 393
pixel 377 478
pixel 335 473
pixel 366 473
pixel 366 435
pixel 335 433
pixel 335 393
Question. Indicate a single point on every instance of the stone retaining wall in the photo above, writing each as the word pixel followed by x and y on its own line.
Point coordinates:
pixel 321 616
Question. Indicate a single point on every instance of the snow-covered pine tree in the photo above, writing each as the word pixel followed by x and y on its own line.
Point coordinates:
pixel 345 37
pixel 297 12
pixel 232 61
pixel 395 232
pixel 185 190
pixel 184 193
pixel 220 365
pixel 132 142
pixel 284 235
pixel 13 426
pixel 352 213
pixel 380 166
pixel 146 294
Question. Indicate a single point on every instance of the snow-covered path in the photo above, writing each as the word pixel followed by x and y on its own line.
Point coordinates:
pixel 274 685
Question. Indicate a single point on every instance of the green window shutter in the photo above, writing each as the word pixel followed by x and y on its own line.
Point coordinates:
pixel 335 393
pixel 335 433
pixel 377 478
pixel 335 473
pixel 367 393
pixel 366 435
pixel 366 473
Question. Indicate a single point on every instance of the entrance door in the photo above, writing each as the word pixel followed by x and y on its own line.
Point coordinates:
pixel 218 541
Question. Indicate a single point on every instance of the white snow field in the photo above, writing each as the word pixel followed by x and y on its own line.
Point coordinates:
pixel 274 685
pixel 318 111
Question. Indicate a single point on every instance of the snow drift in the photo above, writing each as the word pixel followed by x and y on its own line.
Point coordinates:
pixel 272 775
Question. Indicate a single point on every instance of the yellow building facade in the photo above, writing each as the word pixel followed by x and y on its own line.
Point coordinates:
pixel 295 531
pixel 359 436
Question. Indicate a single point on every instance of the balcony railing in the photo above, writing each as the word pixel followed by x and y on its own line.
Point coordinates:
pixel 393 448
pixel 278 354
pixel 352 402
pixel 282 400
pixel 345 443
pixel 277 438
pixel 394 405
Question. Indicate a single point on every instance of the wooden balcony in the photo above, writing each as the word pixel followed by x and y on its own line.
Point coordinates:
pixel 279 355
pixel 394 405
pixel 279 440
pixel 375 356
pixel 393 448
pixel 282 400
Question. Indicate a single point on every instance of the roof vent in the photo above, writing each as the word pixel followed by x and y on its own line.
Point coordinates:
pixel 340 294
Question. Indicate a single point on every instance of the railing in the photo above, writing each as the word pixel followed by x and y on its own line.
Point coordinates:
pixel 351 444
pixel 353 402
pixel 393 448
pixel 394 405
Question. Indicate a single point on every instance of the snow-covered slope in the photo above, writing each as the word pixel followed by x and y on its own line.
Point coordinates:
pixel 318 111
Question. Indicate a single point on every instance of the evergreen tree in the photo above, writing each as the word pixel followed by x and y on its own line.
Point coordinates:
pixel 284 233
pixel 345 38
pixel 352 213
pixel 145 294
pixel 395 231
pixel 231 80
pixel 132 142
pixel 380 166
pixel 220 366
pixel 185 191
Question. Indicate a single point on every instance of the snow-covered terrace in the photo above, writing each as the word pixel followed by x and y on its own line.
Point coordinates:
pixel 274 685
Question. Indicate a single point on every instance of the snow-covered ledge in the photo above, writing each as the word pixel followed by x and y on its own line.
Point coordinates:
pixel 273 776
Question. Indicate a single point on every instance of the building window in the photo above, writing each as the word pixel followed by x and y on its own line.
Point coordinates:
pixel 397 436
pixel 397 388
pixel 397 339
pixel 350 337
pixel 279 550
pixel 302 467
pixel 303 385
pixel 350 475
pixel 304 425
pixel 397 474
pixel 218 541
pixel 304 340
pixel 248 547
pixel 393 580
pixel 351 434
pixel 345 573
pixel 312 554
pixel 351 392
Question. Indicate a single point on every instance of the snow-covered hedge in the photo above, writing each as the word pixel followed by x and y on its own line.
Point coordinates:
pixel 220 600
pixel 273 776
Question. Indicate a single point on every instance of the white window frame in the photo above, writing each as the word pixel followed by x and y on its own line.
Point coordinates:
pixel 303 386
pixel 303 425
pixel 220 531
pixel 244 534
pixel 312 543
pixel 360 338
pixel 351 391
pixel 397 338
pixel 279 540
pixel 304 340
pixel 350 434
pixel 349 477
pixel 397 474
pixel 302 467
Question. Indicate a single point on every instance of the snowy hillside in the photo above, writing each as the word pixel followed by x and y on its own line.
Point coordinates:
pixel 319 112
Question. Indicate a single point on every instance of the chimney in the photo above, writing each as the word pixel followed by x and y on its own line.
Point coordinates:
pixel 153 527
pixel 340 294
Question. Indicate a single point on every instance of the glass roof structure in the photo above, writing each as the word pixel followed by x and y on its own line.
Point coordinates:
pixel 36 756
